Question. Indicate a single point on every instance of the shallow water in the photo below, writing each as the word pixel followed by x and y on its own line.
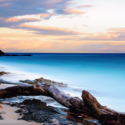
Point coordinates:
pixel 100 74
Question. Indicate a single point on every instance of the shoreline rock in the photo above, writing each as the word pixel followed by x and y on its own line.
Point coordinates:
pixel 37 111
pixel 3 73
pixel 32 110
pixel 2 53
pixel 43 81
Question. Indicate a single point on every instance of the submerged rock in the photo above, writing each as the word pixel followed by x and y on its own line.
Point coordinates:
pixel 1 118
pixel 41 81
pixel 3 73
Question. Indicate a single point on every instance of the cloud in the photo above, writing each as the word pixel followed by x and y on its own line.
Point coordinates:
pixel 50 44
pixel 84 6
pixel 12 8
pixel 14 19
pixel 113 34
pixel 73 11
pixel 4 23
pixel 47 30
pixel 104 47
pixel 47 15
pixel 14 22
pixel 17 12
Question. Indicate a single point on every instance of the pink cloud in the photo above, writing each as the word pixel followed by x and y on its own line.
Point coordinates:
pixel 73 11
pixel 83 6
pixel 14 19
pixel 113 34
pixel 47 30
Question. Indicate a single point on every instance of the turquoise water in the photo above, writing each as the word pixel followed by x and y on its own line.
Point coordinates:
pixel 101 74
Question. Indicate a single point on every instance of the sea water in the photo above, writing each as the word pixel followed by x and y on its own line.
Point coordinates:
pixel 103 75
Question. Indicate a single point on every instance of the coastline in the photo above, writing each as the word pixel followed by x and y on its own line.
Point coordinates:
pixel 15 76
pixel 101 77
pixel 11 115
pixel 91 120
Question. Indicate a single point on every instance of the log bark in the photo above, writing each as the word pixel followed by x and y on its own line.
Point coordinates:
pixel 88 106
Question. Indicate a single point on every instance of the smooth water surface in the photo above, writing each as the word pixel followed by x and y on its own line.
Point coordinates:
pixel 101 74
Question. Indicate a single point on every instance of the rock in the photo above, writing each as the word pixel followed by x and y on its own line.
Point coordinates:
pixel 41 81
pixel 34 102
pixel 35 117
pixel 37 111
pixel 1 118
pixel 55 121
pixel 18 111
pixel 2 53
pixel 3 73
pixel 50 120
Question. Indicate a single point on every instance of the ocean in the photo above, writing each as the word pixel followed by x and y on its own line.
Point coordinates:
pixel 103 75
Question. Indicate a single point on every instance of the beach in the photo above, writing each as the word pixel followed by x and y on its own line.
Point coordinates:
pixel 71 78
pixel 10 117
pixel 100 74
pixel 11 113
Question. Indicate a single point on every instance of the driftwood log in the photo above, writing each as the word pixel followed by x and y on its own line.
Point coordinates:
pixel 88 106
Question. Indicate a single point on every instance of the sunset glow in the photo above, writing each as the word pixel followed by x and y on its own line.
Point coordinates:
pixel 62 26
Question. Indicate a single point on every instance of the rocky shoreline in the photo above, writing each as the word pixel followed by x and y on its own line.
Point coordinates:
pixel 37 111
pixel 3 54
pixel 33 110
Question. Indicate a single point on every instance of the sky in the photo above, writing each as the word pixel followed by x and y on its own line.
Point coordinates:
pixel 62 26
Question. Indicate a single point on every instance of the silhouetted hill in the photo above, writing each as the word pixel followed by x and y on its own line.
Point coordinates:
pixel 2 53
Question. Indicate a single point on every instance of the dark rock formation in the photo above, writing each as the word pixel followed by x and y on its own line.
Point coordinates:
pixel 87 107
pixel 35 110
pixel 3 73
pixel 1 118
pixel 2 53
pixel 44 81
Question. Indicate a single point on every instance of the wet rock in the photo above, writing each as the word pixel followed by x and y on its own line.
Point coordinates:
pixel 18 111
pixel 1 118
pixel 41 81
pixel 3 73
pixel 34 110
pixel 37 111
pixel 33 102
pixel 35 117
pixel 50 120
